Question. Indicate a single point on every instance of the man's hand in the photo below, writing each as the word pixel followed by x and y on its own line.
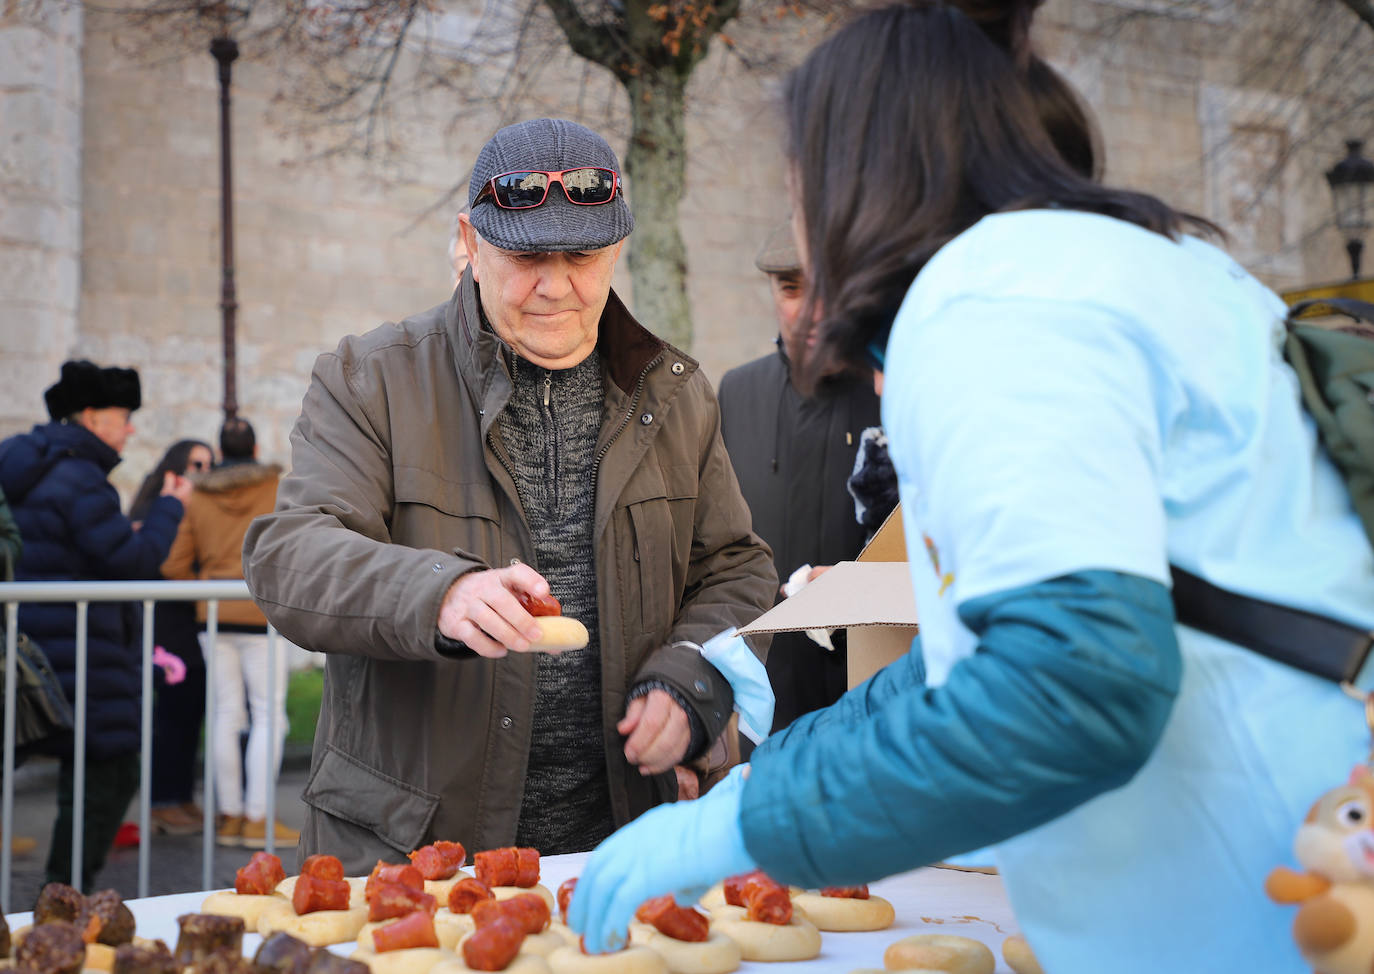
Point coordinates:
pixel 175 485
pixel 657 732
pixel 481 610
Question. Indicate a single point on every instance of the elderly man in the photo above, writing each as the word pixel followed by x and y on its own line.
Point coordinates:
pixel 526 437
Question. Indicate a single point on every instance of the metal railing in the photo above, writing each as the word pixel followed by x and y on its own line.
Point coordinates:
pixel 149 593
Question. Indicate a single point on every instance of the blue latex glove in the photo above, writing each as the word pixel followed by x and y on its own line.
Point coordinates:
pixel 680 848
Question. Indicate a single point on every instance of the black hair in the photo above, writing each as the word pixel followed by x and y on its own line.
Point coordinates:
pixel 237 440
pixel 908 126
pixel 176 458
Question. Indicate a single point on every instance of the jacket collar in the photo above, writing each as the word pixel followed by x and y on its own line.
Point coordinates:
pixel 626 347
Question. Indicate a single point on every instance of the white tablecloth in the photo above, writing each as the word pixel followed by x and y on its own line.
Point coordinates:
pixel 926 901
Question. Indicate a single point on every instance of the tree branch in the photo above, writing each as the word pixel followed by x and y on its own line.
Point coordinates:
pixel 587 41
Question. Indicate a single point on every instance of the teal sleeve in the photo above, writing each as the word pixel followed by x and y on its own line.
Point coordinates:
pixel 901 676
pixel 1065 698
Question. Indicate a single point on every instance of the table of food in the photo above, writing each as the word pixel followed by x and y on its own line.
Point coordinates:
pixel 505 911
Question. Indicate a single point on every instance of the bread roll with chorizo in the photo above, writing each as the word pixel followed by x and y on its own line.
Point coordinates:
pixel 940 952
pixel 558 632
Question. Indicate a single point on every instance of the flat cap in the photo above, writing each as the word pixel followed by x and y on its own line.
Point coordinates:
pixel 778 255
pixel 547 145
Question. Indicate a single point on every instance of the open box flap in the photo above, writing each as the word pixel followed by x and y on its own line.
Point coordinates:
pixel 852 594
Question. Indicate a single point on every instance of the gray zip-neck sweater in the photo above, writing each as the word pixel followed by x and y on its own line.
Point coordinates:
pixel 550 428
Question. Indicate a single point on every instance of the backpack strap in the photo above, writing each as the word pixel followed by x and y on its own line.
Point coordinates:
pixel 1353 307
pixel 1310 642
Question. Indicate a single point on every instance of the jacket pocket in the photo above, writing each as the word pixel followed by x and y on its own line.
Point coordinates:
pixel 431 512
pixel 396 812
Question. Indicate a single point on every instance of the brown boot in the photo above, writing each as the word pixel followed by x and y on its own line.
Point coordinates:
pixel 230 830
pixel 254 834
pixel 173 820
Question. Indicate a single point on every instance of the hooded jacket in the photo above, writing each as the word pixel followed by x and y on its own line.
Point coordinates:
pixel 56 480
pixel 209 542
pixel 400 484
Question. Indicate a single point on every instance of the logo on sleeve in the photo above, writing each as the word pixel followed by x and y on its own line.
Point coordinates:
pixel 946 578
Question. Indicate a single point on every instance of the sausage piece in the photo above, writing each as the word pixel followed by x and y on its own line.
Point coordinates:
pixel 404 873
pixel 133 959
pixel 116 921
pixel 58 902
pixel 324 962
pixel 846 892
pixel 439 860
pixel 540 605
pixel 323 867
pixel 510 866
pixel 54 947
pixel 391 900
pixel 493 947
pixel 282 953
pixel 313 894
pixel 671 920
pixel 202 933
pixel 767 901
pixel 565 894
pixel 467 893
pixel 413 930
pixel 528 911
pixel 260 875
pixel 734 887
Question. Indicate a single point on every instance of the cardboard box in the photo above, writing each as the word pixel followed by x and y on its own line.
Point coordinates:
pixel 870 596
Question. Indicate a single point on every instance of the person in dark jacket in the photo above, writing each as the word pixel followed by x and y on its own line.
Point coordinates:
pixel 56 479
pixel 178 706
pixel 792 456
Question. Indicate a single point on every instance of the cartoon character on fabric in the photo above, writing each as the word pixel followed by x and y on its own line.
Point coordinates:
pixel 1334 928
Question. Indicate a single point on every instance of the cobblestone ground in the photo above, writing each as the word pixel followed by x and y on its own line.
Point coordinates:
pixel 174 861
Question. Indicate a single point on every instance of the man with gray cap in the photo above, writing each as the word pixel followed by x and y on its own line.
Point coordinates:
pixel 527 437
pixel 792 456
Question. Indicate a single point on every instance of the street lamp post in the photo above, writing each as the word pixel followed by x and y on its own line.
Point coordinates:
pixel 1352 189
pixel 225 50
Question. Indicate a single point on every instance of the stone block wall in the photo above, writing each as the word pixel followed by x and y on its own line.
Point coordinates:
pixel 40 200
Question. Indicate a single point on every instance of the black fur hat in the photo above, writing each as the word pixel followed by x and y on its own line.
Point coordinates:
pixel 85 385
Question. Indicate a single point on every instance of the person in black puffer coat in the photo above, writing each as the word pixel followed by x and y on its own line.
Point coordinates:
pixel 56 479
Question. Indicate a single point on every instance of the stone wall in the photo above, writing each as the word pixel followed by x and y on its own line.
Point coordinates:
pixel 40 200
pixel 332 246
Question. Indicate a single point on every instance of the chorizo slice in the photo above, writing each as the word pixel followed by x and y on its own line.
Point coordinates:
pixel 671 920
pixel 767 901
pixel 388 872
pixel 528 910
pixel 323 867
pixel 859 892
pixel 412 930
pixel 391 900
pixel 260 875
pixel 565 895
pixel 493 947
pixel 313 894
pixel 467 893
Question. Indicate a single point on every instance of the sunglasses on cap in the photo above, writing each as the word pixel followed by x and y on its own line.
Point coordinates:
pixel 525 188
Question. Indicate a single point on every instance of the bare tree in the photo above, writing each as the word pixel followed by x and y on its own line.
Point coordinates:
pixel 348 65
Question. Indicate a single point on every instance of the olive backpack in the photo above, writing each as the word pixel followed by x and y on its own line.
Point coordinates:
pixel 1335 368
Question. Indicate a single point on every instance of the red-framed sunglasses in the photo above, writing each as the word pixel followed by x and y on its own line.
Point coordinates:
pixel 524 188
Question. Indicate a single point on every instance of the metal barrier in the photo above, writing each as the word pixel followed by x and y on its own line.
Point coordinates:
pixel 149 593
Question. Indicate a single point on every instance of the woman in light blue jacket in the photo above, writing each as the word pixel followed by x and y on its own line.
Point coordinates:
pixel 1080 392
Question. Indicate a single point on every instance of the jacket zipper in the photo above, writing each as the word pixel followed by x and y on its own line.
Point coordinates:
pixel 551 445
pixel 629 414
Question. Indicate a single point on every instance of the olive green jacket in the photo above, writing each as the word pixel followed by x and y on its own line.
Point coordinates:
pixel 399 486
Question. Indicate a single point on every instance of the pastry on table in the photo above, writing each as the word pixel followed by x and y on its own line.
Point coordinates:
pixel 255 888
pixel 682 936
pixel 940 952
pixel 758 915
pixel 319 911
pixel 845 909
